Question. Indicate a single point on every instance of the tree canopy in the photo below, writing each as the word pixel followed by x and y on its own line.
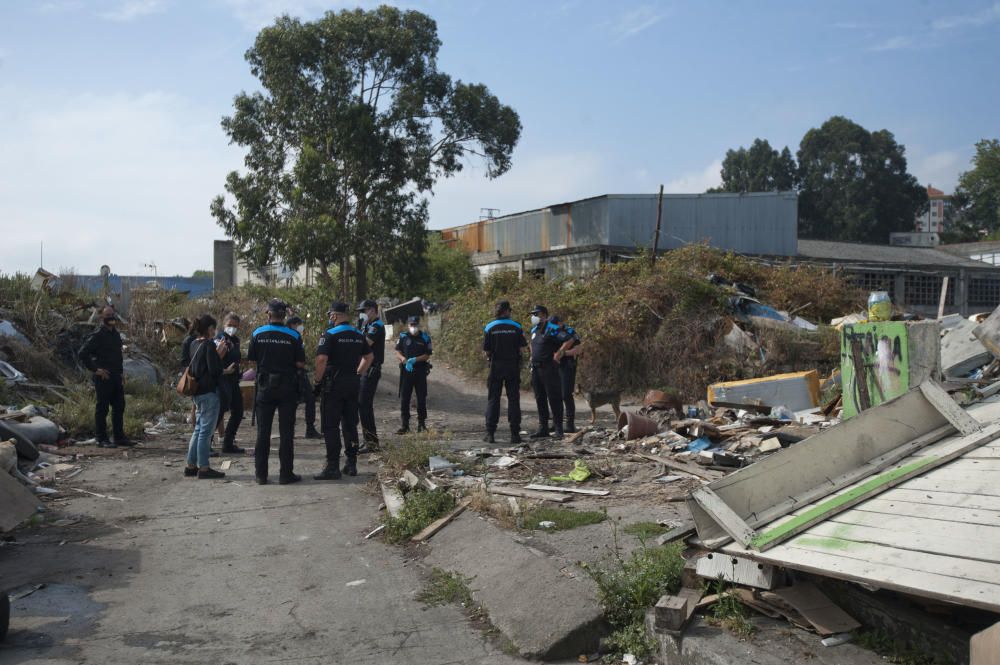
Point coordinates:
pixel 760 168
pixel 977 197
pixel 353 126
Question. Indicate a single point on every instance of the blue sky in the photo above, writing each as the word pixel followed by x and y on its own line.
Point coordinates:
pixel 110 146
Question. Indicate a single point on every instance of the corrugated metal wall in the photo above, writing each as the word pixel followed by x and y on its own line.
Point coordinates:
pixel 747 223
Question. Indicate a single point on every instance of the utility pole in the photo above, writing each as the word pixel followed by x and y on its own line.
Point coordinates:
pixel 656 237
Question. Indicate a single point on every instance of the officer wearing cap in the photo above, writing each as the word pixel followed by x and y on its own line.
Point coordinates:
pixel 374 331
pixel 305 385
pixel 503 339
pixel 413 350
pixel 545 382
pixel 342 358
pixel 567 356
pixel 278 352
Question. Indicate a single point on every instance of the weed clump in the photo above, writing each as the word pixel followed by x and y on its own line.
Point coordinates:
pixel 143 402
pixel 564 518
pixel 644 530
pixel 628 586
pixel 420 509
pixel 444 588
pixel 730 613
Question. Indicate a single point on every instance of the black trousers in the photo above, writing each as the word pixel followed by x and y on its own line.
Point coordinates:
pixel 340 415
pixel 110 394
pixel 408 383
pixel 503 378
pixel 231 401
pixel 547 386
pixel 267 403
pixel 366 403
pixel 308 399
pixel 567 379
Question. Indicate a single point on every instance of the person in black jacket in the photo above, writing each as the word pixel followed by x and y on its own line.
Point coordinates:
pixel 206 366
pixel 102 355
pixel 230 397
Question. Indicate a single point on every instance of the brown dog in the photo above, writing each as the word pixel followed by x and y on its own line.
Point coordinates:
pixel 596 399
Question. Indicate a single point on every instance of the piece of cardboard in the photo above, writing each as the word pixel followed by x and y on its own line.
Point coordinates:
pixel 806 599
pixel 984 647
pixel 17 503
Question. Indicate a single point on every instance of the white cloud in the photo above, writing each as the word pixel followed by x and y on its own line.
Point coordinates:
pixel 122 179
pixel 60 6
pixel 535 181
pixel 634 21
pixel 940 169
pixel 696 182
pixel 129 10
pixel 974 20
pixel 255 14
pixel 893 44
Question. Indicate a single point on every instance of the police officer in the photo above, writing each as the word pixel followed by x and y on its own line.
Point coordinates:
pixel 503 339
pixel 374 331
pixel 305 385
pixel 569 352
pixel 546 352
pixel 278 352
pixel 102 355
pixel 413 350
pixel 342 358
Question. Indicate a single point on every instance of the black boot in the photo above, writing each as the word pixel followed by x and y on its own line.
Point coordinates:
pixel 405 429
pixel 351 466
pixel 421 426
pixel 515 435
pixel 232 449
pixel 570 425
pixel 489 438
pixel 558 433
pixel 541 432
pixel 312 433
pixel 331 472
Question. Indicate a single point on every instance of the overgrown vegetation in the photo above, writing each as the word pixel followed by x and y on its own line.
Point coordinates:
pixel 628 586
pixel 645 530
pixel 895 651
pixel 564 518
pixel 730 613
pixel 410 451
pixel 143 403
pixel 444 588
pixel 662 327
pixel 421 508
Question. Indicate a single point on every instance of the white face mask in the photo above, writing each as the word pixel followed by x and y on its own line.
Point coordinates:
pixel 364 317
pixel 414 330
pixel 231 331
pixel 535 320
pixel 301 329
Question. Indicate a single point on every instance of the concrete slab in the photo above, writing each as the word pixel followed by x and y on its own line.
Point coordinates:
pixel 545 605
pixel 775 643
pixel 961 352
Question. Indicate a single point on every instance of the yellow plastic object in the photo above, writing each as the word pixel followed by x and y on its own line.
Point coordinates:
pixel 579 473
pixel 879 306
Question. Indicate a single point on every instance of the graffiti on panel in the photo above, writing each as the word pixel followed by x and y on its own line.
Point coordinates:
pixel 874 364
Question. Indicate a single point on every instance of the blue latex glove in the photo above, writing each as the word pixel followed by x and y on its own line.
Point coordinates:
pixel 410 362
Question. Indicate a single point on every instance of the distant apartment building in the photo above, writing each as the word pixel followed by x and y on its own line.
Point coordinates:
pixel 932 221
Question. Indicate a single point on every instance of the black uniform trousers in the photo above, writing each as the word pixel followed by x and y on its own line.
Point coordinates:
pixel 110 394
pixel 340 415
pixel 366 400
pixel 408 383
pixel 503 377
pixel 231 401
pixel 283 400
pixel 308 399
pixel 567 379
pixel 547 385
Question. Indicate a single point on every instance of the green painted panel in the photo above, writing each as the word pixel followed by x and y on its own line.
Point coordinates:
pixel 874 364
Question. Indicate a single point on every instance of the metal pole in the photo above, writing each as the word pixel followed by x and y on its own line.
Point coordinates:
pixel 656 237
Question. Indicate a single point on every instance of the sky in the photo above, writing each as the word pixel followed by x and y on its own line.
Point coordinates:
pixel 111 148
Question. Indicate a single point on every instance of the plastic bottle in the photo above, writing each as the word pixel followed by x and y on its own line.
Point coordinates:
pixel 879 306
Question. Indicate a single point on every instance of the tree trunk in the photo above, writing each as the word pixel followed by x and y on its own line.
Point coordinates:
pixel 361 277
pixel 343 278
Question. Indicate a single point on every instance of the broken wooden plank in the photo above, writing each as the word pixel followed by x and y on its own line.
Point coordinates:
pixel 955 414
pixel 571 490
pixel 736 569
pixel 577 435
pixel 813 605
pixel 393 500
pixel 984 647
pixel 18 502
pixel 723 515
pixel 824 463
pixel 681 466
pixel 677 533
pixel 775 534
pixel 438 524
pixel 528 494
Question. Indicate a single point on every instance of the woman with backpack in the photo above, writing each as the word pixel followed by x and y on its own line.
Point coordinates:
pixel 206 369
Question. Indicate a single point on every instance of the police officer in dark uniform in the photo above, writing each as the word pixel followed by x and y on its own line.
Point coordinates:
pixel 102 355
pixel 374 331
pixel 570 350
pixel 545 345
pixel 342 358
pixel 278 352
pixel 413 350
pixel 503 339
pixel 306 395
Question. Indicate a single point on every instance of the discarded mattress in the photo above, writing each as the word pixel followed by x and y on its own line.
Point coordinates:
pixel 36 429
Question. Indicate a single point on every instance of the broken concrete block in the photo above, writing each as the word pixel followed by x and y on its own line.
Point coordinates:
pixel 988 333
pixel 769 445
pixel 671 612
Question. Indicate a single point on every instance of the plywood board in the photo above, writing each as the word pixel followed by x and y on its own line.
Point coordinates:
pixel 984 647
pixel 889 506
pixel 815 607
pixel 931 498
pixel 840 534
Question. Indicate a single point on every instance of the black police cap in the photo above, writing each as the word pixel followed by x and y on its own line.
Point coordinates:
pixel 367 304
pixel 338 307
pixel 413 319
pixel 277 306
pixel 540 309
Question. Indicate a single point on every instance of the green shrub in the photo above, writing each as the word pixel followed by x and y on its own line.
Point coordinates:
pixel 564 518
pixel 420 509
